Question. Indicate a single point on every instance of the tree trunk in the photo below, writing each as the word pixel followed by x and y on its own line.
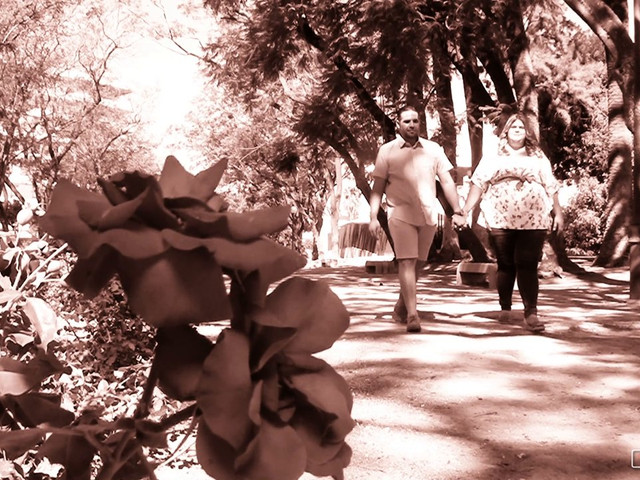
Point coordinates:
pixel 450 248
pixel 634 232
pixel 614 17
pixel 335 194
pixel 614 249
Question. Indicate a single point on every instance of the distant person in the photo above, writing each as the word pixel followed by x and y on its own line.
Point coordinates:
pixel 518 192
pixel 405 171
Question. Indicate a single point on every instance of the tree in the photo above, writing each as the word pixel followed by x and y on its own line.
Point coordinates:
pixel 608 22
pixel 60 116
pixel 350 48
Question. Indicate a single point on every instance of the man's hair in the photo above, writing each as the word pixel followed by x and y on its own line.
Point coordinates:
pixel 406 108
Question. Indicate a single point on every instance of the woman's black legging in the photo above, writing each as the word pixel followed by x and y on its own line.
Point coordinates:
pixel 518 253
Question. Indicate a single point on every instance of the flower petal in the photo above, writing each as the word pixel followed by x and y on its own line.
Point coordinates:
pixel 272 261
pixel 324 389
pixel 175 288
pixel 90 275
pixel 62 218
pixel 266 341
pixel 225 390
pixel 275 452
pixel 334 467
pixel 215 456
pixel 152 210
pixel 179 357
pixel 176 182
pixel 109 217
pixel 313 309
pixel 232 225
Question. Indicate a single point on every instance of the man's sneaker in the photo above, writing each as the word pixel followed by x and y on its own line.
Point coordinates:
pixel 413 324
pixel 399 314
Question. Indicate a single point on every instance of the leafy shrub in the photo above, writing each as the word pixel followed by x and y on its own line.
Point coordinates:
pixel 583 216
pixel 264 406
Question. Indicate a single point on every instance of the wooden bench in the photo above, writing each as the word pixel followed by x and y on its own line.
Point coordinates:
pixel 381 266
pixel 476 274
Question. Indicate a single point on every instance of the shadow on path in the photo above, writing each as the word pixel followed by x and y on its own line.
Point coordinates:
pixel 470 398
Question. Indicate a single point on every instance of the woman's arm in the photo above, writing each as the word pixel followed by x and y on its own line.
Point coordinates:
pixel 475 192
pixel 558 219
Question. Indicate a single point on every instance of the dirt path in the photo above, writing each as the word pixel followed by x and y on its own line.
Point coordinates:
pixel 469 398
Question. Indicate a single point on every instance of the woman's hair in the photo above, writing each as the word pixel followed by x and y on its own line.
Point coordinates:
pixel 530 142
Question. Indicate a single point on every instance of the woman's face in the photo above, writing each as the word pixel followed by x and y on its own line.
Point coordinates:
pixel 516 134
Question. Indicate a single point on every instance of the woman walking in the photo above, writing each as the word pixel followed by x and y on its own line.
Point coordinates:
pixel 518 192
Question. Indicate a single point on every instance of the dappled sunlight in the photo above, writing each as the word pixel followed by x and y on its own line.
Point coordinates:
pixel 408 445
pixel 515 403
pixel 384 413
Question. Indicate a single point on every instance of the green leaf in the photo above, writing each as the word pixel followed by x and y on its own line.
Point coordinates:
pixel 15 443
pixel 37 409
pixel 150 434
pixel 17 378
pixel 275 452
pixel 312 308
pixel 43 319
pixel 118 445
pixel 176 288
pixel 9 295
pixel 21 339
pixel 179 358
pixel 176 182
pixel 72 451
pixel 225 389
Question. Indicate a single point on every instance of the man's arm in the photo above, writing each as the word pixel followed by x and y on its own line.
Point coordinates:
pixel 450 191
pixel 379 184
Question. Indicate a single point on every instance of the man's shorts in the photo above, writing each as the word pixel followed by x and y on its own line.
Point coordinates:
pixel 411 241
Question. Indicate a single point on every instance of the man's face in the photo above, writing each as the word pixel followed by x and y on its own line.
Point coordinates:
pixel 409 125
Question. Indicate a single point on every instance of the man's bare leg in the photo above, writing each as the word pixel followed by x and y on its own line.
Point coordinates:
pixel 400 309
pixel 407 277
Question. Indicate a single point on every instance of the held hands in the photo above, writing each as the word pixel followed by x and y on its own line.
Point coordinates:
pixel 459 220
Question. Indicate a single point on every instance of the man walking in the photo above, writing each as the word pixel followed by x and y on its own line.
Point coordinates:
pixel 405 171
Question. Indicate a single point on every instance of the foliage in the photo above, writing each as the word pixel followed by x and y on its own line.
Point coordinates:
pixel 349 65
pixel 269 164
pixel 584 225
pixel 60 116
pixel 264 406
pixel 570 67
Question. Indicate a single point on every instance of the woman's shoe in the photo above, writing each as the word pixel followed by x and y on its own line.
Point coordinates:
pixel 505 316
pixel 532 323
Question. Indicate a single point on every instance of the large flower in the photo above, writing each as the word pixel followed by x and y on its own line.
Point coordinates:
pixel 271 410
pixel 169 241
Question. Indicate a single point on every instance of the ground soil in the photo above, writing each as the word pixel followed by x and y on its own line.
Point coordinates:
pixel 470 398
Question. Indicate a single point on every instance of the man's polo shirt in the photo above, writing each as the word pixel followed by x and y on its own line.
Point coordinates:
pixel 410 172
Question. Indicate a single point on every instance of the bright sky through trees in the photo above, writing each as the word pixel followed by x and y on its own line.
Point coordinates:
pixel 163 80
